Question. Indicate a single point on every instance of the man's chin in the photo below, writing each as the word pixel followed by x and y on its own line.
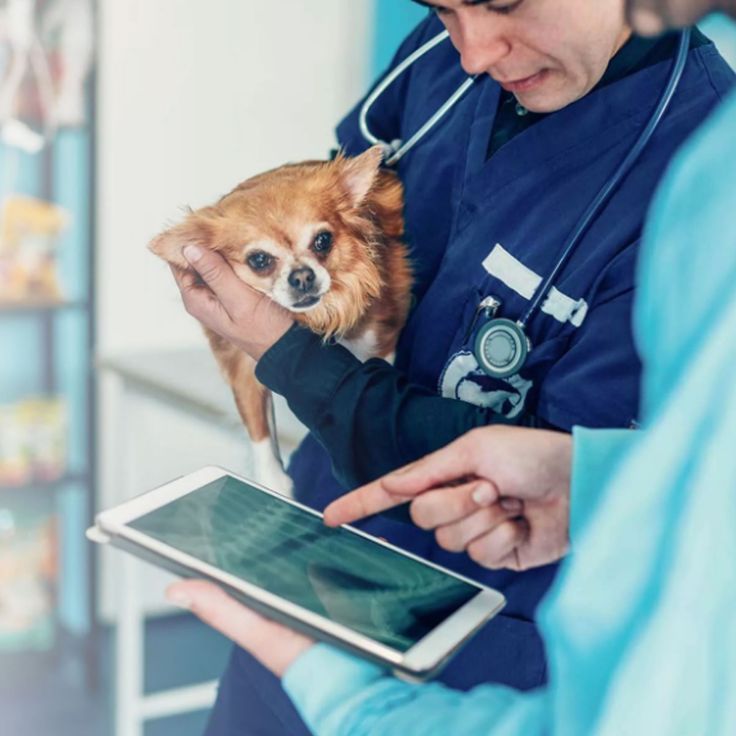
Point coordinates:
pixel 553 95
pixel 543 104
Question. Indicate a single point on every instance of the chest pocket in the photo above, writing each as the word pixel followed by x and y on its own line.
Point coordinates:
pixel 463 379
pixel 515 284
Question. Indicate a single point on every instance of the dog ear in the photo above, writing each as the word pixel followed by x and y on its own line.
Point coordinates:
pixel 359 173
pixel 195 230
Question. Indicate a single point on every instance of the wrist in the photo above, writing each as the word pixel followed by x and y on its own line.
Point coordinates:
pixel 257 345
pixel 282 660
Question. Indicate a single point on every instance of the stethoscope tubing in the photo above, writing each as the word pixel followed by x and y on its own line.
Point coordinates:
pixel 396 150
pixel 612 184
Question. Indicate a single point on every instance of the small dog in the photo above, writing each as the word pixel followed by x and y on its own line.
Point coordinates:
pixel 322 239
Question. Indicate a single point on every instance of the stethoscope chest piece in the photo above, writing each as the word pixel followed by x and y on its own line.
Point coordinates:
pixel 501 347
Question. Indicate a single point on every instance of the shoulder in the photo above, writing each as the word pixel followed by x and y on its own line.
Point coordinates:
pixel 714 71
pixel 689 257
pixel 706 81
pixel 700 175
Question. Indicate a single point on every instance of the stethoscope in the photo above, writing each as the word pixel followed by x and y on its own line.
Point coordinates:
pixel 502 346
pixel 397 149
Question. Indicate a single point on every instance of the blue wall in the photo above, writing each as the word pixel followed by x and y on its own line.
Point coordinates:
pixel 394 20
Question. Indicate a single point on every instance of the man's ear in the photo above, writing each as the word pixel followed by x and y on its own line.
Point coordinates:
pixel 195 230
pixel 359 173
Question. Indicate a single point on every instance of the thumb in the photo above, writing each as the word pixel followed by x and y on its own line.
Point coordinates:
pixel 215 271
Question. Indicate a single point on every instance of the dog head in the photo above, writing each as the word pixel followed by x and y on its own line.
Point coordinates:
pixel 305 234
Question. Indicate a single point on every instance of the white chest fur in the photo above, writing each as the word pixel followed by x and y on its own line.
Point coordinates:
pixel 363 347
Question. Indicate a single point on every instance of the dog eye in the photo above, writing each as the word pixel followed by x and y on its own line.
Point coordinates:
pixel 259 260
pixel 322 242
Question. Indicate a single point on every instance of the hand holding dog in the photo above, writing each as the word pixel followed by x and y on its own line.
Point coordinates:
pixel 228 306
pixel 499 493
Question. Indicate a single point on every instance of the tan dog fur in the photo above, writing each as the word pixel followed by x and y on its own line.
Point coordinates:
pixel 271 229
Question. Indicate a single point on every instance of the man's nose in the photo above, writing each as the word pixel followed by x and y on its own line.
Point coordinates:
pixel 480 48
pixel 302 279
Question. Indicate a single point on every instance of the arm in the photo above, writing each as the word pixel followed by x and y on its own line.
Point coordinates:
pixel 338 694
pixel 367 415
pixel 354 698
pixel 372 420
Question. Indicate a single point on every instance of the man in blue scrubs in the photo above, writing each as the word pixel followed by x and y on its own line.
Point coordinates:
pixel 640 627
pixel 492 194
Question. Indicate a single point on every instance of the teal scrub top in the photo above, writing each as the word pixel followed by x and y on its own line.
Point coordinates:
pixel 641 624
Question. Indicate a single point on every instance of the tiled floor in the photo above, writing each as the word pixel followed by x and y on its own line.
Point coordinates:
pixel 38 698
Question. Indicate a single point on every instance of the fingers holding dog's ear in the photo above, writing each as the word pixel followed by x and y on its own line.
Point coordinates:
pixel 189 282
pixel 209 265
pixel 199 300
pixel 185 278
pixel 218 275
pixel 167 245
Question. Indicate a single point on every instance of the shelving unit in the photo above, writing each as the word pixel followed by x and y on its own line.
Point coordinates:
pixel 46 347
pixel 58 367
pixel 10 308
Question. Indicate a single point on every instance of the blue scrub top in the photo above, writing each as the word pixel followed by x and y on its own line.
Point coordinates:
pixel 640 626
pixel 481 227
pixel 476 228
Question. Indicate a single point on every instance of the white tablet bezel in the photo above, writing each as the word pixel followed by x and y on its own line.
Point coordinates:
pixel 420 660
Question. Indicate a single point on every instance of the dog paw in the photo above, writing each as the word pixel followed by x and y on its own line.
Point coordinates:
pixel 277 480
pixel 267 469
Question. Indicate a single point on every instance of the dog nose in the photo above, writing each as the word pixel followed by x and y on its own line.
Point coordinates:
pixel 302 279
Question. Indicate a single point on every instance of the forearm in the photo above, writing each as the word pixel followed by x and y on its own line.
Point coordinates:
pixel 339 695
pixel 367 415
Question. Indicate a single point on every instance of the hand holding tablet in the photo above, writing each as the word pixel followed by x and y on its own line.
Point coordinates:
pixel 274 645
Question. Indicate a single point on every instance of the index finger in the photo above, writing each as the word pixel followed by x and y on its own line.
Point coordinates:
pixel 362 502
pixel 453 463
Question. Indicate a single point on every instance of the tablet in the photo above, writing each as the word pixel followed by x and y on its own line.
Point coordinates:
pixel 338 585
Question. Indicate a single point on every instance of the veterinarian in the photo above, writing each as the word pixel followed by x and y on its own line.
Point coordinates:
pixel 492 195
pixel 640 630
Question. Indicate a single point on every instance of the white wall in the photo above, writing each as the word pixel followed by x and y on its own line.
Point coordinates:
pixel 193 97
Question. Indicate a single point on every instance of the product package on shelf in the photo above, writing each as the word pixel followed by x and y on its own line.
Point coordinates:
pixel 33 441
pixel 28 575
pixel 29 235
pixel 49 47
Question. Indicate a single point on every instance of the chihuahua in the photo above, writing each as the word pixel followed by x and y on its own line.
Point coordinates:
pixel 324 239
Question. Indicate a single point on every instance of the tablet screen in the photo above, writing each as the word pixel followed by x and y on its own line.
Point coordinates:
pixel 332 572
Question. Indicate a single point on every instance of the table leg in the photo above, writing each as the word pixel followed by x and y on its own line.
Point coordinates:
pixel 129 640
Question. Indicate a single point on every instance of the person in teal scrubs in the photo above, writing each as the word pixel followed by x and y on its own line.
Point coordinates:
pixel 640 625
